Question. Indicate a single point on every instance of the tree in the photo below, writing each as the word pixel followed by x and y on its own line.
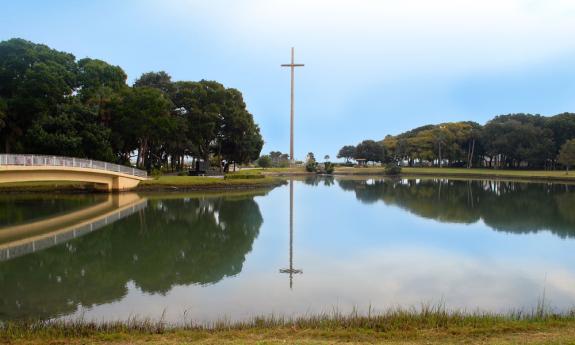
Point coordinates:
pixel 74 130
pixel 3 107
pixel 326 157
pixel 98 83
pixel 310 162
pixel 347 152
pixel 563 128
pixel 156 80
pixel 310 157
pixel 142 121
pixel 265 161
pixel 370 150
pixel 241 141
pixel 567 154
pixel 34 80
pixel 51 103
pixel 279 159
pixel 517 139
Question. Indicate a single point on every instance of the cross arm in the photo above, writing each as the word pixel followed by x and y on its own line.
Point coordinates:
pixel 293 65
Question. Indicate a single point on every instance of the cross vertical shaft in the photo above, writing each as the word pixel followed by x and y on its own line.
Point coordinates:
pixel 292 66
pixel 291 107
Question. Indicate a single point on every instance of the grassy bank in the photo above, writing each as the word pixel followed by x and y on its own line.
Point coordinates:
pixel 427 326
pixel 535 175
pixel 199 183
pixel 163 183
pixel 272 177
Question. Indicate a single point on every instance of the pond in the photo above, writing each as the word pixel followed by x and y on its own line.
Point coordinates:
pixel 314 245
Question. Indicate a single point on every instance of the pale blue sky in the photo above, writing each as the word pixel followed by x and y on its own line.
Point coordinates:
pixel 373 67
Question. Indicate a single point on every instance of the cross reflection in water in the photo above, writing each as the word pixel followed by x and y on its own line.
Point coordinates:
pixel 291 271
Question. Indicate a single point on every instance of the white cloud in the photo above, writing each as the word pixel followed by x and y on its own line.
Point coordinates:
pixel 391 36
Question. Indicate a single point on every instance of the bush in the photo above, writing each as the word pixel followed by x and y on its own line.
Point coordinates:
pixel 329 168
pixel 243 176
pixel 392 169
pixel 156 173
pixel 311 166
pixel 265 161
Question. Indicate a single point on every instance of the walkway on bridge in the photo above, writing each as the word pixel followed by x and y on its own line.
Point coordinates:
pixel 33 168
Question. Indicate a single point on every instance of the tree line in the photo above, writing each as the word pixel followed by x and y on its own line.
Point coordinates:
pixel 506 141
pixel 51 103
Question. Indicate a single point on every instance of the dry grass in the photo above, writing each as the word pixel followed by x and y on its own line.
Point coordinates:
pixel 428 325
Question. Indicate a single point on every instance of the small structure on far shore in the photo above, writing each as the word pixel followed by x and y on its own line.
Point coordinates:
pixel 361 162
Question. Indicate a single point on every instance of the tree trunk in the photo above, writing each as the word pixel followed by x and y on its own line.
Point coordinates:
pixel 139 156
pixel 470 164
pixel 440 161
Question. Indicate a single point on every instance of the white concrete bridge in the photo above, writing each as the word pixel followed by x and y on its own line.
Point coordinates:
pixel 32 168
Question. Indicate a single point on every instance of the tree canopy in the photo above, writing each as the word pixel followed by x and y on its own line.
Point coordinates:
pixel 506 141
pixel 51 103
pixel 567 154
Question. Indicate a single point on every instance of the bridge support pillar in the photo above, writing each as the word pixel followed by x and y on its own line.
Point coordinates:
pixel 121 183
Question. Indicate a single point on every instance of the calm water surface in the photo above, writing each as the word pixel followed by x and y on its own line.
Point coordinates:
pixel 486 245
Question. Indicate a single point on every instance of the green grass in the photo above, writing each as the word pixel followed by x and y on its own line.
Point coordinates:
pixel 207 182
pixel 235 181
pixel 462 172
pixel 270 170
pixel 557 175
pixel 428 325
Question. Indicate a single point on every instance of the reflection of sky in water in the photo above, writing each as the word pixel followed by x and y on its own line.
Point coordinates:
pixel 356 254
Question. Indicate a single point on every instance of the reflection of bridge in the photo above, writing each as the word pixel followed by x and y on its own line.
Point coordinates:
pixel 106 176
pixel 28 238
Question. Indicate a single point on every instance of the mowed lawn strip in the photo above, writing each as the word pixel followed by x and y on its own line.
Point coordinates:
pixel 205 182
pixel 462 172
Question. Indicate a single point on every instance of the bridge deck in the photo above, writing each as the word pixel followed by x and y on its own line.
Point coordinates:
pixel 109 176
pixel 58 161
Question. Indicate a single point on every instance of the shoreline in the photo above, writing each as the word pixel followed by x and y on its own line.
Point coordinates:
pixel 453 173
pixel 277 177
pixel 430 325
pixel 179 184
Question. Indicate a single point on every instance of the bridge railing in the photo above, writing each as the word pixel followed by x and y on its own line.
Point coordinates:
pixel 57 161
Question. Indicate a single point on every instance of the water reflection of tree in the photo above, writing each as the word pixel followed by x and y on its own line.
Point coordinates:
pixel 503 205
pixel 179 241
pixel 315 180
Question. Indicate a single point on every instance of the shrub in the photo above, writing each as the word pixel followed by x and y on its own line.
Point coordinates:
pixel 265 161
pixel 392 169
pixel 156 173
pixel 311 166
pixel 329 168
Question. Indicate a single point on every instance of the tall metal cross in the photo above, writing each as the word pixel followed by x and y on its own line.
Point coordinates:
pixel 292 65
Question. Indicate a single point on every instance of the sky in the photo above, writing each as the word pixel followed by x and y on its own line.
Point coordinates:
pixel 372 67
